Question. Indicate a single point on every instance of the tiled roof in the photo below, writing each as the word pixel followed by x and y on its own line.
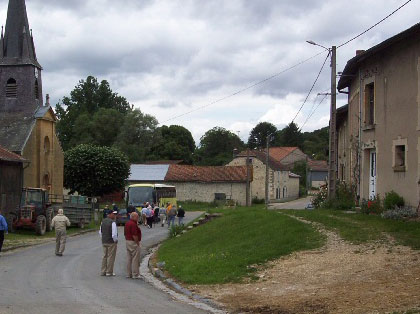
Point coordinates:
pixel 262 156
pixel 318 165
pixel 146 173
pixel 6 155
pixel 293 175
pixel 279 153
pixel 182 173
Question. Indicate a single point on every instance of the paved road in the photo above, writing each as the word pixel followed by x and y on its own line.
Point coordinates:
pixel 296 204
pixel 36 281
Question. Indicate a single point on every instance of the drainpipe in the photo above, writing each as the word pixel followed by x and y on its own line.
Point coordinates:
pixel 359 153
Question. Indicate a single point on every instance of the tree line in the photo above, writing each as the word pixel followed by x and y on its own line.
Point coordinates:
pixel 94 114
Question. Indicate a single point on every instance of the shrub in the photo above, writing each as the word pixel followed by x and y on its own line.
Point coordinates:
pixel 393 199
pixel 175 230
pixel 320 197
pixel 400 213
pixel 257 200
pixel 344 199
pixel 302 190
pixel 372 206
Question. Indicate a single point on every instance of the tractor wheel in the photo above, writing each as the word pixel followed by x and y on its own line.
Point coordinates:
pixel 40 225
pixel 49 219
pixel 10 219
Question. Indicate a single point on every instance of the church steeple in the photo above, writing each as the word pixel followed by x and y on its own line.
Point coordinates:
pixel 17 45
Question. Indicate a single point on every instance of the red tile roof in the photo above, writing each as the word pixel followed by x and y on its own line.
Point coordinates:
pixel 318 165
pixel 279 153
pixel 6 155
pixel 183 173
pixel 262 156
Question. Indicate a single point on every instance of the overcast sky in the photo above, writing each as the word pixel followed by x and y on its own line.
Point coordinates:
pixel 168 57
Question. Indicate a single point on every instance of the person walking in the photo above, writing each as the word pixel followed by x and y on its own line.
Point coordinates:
pixel 132 235
pixel 3 229
pixel 181 215
pixel 149 217
pixel 109 236
pixel 143 214
pixel 106 212
pixel 171 211
pixel 60 224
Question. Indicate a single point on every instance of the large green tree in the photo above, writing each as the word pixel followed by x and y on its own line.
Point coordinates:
pixel 175 143
pixel 216 147
pixel 316 143
pixel 289 136
pixel 94 170
pixel 259 134
pixel 86 99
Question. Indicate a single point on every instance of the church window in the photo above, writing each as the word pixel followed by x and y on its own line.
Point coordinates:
pixel 11 88
pixel 36 90
pixel 46 145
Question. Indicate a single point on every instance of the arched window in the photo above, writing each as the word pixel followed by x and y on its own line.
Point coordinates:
pixel 11 88
pixel 46 145
pixel 284 192
pixel 36 90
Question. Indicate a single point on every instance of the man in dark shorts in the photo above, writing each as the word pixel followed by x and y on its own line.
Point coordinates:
pixel 132 234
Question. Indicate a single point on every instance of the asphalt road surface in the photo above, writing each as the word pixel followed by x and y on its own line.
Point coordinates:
pixel 296 204
pixel 36 281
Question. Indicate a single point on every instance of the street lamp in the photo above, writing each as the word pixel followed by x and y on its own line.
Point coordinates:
pixel 332 145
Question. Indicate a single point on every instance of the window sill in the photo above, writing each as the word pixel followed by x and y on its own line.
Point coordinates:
pixel 368 127
pixel 399 168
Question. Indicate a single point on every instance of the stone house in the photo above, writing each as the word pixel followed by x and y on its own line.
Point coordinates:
pixel 378 132
pixel 27 126
pixel 317 173
pixel 287 156
pixel 196 183
pixel 282 184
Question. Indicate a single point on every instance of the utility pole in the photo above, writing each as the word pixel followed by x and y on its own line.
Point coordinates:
pixel 333 147
pixel 247 178
pixel 267 171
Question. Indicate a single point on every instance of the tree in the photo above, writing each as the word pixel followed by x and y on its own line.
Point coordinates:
pixel 137 136
pixel 290 136
pixel 175 143
pixel 258 135
pixel 316 143
pixel 216 147
pixel 87 98
pixel 94 170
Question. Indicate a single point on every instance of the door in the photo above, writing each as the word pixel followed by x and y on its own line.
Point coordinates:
pixel 372 175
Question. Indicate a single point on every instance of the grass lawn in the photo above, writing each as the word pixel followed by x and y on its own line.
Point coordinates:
pixel 360 228
pixel 222 251
pixel 197 206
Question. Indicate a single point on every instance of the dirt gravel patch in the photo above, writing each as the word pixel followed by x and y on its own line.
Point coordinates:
pixel 338 278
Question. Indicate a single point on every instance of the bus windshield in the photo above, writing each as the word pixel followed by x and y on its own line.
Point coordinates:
pixel 138 195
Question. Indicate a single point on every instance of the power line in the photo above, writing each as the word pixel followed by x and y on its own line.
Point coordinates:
pixel 245 89
pixel 313 85
pixel 376 24
pixel 312 113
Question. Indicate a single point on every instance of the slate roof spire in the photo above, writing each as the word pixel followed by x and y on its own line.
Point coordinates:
pixel 17 45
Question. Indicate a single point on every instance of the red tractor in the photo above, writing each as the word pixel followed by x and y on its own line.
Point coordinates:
pixel 35 211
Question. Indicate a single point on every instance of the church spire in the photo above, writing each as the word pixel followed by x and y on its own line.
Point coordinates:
pixel 17 44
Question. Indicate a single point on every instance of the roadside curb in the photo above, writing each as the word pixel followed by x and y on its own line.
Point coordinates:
pixel 161 282
pixel 22 246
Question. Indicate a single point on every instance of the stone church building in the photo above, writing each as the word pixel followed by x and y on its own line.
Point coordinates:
pixel 27 124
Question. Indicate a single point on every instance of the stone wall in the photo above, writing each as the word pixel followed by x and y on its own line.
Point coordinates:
pixel 205 192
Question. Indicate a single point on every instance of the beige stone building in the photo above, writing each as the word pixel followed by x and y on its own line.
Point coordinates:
pixel 282 184
pixel 379 130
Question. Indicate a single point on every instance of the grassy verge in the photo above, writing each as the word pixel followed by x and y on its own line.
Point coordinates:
pixel 24 236
pixel 360 228
pixel 223 250
pixel 197 206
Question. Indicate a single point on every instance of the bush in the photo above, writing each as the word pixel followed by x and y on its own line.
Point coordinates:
pixel 321 197
pixel 400 213
pixel 302 191
pixel 393 199
pixel 372 206
pixel 257 201
pixel 175 230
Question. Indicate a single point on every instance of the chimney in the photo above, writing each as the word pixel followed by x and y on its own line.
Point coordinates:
pixel 359 52
pixel 47 102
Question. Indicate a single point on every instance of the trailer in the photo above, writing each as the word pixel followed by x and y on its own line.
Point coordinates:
pixel 78 209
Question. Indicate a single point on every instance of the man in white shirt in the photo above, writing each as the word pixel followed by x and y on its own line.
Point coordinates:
pixel 109 236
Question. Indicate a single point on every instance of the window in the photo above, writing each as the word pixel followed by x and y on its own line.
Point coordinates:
pixel 278 194
pixel 370 104
pixel 219 196
pixel 400 158
pixel 36 90
pixel 46 145
pixel 11 88
pixel 284 192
